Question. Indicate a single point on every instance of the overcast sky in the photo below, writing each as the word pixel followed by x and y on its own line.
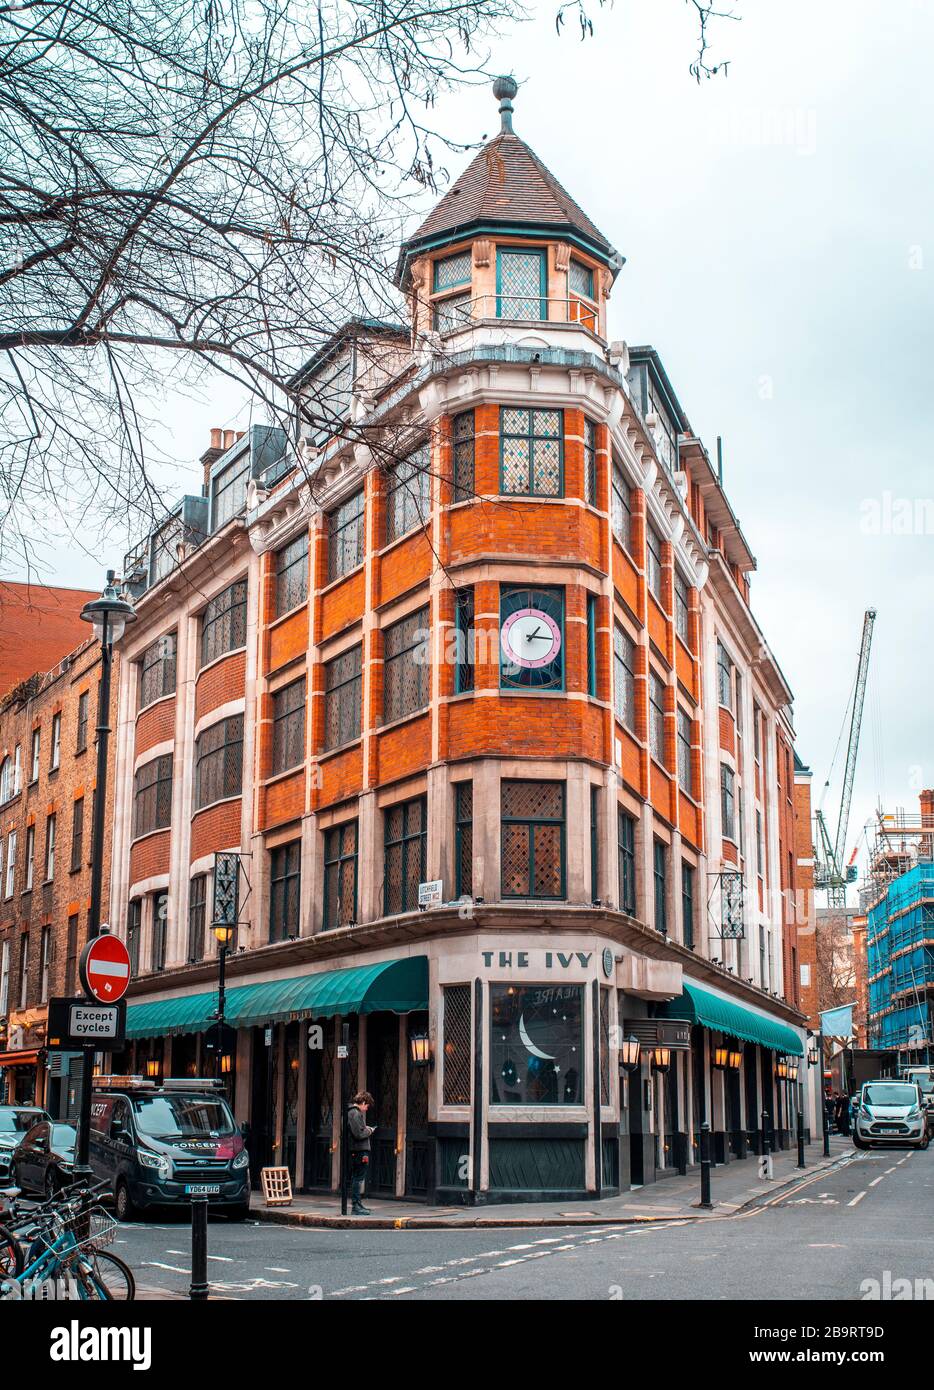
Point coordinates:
pixel 777 230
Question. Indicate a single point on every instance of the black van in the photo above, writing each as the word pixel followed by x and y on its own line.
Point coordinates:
pixel 161 1145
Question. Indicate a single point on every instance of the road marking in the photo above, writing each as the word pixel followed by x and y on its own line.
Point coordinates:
pixel 224 1259
pixel 881 1177
pixel 276 1269
pixel 156 1264
pixel 858 1198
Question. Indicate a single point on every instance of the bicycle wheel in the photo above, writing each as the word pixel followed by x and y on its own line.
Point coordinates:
pixel 103 1276
pixel 11 1256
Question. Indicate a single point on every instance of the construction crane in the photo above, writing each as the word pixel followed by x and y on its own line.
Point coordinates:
pixel 830 873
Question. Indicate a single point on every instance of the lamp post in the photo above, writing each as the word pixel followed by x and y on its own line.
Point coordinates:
pixel 223 932
pixel 109 616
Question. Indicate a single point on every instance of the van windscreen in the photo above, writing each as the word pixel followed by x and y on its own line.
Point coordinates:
pixel 171 1117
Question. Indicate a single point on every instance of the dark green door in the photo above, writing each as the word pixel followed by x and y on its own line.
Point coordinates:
pixel 319 1109
pixel 418 1144
pixel 382 1057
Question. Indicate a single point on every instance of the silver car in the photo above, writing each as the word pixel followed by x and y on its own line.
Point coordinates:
pixel 891 1112
pixel 14 1122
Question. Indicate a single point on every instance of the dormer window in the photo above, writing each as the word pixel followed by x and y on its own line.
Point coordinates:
pixel 452 280
pixel 580 279
pixel 451 272
pixel 521 284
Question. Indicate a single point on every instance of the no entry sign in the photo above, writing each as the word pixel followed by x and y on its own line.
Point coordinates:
pixel 104 969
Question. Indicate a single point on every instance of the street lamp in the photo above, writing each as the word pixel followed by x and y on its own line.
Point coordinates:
pixel 735 1059
pixel 813 1053
pixel 109 616
pixel 420 1050
pixel 781 1069
pixel 721 1055
pixel 792 1069
pixel 630 1054
pixel 661 1059
pixel 224 934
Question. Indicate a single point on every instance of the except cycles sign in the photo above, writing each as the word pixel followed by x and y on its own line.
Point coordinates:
pixel 77 1023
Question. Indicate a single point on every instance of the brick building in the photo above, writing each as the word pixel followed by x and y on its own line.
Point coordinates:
pixel 51 620
pixel 47 785
pixel 494 634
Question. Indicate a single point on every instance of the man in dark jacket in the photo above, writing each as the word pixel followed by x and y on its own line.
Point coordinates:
pixel 360 1133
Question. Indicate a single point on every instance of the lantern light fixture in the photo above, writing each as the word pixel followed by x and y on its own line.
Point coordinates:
pixel 420 1050
pixel 630 1054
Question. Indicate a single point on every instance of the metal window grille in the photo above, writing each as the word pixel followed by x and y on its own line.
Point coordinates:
pixel 659 871
pixel 157 670
pixel 456 1076
pixel 406 666
pixel 531 444
pixel 590 462
pixel 77 834
pixel 580 279
pixel 223 623
pixel 228 490
pixel 653 562
pixel 626 836
pixel 519 288
pixel 464 447
pixel 452 270
pixel 533 843
pixel 292 574
pixel 160 916
pixel 284 886
pixel 682 609
pixel 451 312
pixel 687 904
pixel 408 493
pixel 346 527
pixel 463 839
pixel 197 896
pixel 657 718
pixel 620 508
pixel 81 737
pixel 134 923
pixel 624 678
pixel 727 801
pixel 465 640
pixel 604 1046
pixel 685 770
pixel 340 875
pixel 219 761
pixel 152 796
pixel 343 698
pixel 288 726
pixel 405 828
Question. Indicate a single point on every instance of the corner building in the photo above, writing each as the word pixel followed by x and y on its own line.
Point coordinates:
pixel 471 639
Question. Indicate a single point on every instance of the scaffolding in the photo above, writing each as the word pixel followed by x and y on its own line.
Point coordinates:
pixel 898 898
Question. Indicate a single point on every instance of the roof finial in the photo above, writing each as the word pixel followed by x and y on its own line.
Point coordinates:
pixel 504 89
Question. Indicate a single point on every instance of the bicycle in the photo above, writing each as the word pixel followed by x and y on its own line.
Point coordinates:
pixel 65 1236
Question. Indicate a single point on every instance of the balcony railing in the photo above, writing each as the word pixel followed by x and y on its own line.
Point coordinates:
pixel 458 311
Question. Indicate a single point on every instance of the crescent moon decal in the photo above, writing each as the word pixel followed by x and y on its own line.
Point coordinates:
pixel 528 1043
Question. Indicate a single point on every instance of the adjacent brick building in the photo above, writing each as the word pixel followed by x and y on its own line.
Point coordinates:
pixel 493 634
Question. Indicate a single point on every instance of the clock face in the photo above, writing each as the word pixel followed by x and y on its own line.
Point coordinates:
pixel 532 639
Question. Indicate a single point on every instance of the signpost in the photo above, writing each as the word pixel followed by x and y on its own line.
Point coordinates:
pixel 78 1023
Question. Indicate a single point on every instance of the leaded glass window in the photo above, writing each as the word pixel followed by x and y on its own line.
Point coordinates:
pixel 521 292
pixel 451 312
pixel 653 562
pixel 580 279
pixel 685 770
pixel 406 666
pixel 408 493
pixel 134 929
pixel 284 890
pixel 456 1049
pixel 288 726
pixel 292 574
pixel 626 827
pixel 682 608
pixel 346 526
pixel 219 761
pixel 621 513
pixel 724 677
pixel 531 452
pixel 159 938
pixel 405 842
pixel 152 796
pixel 451 271
pixel 343 698
pixel 590 463
pixel 533 843
pixel 465 640
pixel 340 875
pixel 657 718
pixel 624 678
pixel 728 801
pixel 223 623
pixel 659 874
pixel 197 897
pixel 228 490
pixel 464 448
pixel 463 839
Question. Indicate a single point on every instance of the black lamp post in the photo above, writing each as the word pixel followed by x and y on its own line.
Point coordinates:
pixel 109 616
pixel 224 932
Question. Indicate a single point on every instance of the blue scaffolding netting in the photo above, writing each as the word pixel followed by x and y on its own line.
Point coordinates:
pixel 900 948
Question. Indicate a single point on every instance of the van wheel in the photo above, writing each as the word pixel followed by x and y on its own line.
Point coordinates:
pixel 925 1142
pixel 860 1143
pixel 123 1202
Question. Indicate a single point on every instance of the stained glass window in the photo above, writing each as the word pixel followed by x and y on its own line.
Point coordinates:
pixel 531 452
pixel 452 270
pixel 521 285
pixel 408 493
pixel 463 471
pixel 345 536
pixel 340 875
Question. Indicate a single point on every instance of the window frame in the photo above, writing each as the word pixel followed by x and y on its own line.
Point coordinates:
pixel 421 622
pixel 656 713
pixel 77 834
pixel 284 721
pixel 398 522
pixel 688 903
pixel 684 742
pixel 626 852
pixel 161 779
pixel 542 296
pixel 213 615
pixel 55 752
pixel 592 646
pixel 620 505
pixel 660 883
pixel 682 607
pixel 289 857
pixel 463 456
pixel 336 695
pixel 463 838
pixel 654 567
pixel 728 802
pixel 465 640
pixel 285 565
pixel 51 836
pixel 333 864
pixel 338 525
pixel 531 438
pixel 197 916
pixel 82 719
pixel 530 824
pixel 625 684
pixel 590 461
pixel 223 755
pixel 406 838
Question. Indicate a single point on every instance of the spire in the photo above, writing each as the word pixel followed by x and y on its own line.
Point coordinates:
pixel 504 89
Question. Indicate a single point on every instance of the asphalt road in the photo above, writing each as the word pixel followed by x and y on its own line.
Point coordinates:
pixel 870 1220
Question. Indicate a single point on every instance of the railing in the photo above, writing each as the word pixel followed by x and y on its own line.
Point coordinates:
pixel 457 312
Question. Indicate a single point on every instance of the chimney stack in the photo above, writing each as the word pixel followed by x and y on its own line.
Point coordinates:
pixel 221 441
pixel 927 809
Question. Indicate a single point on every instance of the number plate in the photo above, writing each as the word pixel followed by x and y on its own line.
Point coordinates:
pixel 888 1129
pixel 202 1189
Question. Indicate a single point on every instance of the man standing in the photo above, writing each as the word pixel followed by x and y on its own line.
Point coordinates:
pixel 360 1133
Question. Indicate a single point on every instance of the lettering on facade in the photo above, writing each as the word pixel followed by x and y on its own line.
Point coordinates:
pixel 547 960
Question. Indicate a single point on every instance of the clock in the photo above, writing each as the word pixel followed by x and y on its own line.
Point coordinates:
pixel 532 639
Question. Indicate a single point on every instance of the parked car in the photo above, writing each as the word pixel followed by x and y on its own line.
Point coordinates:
pixel 162 1145
pixel 15 1120
pixel 44 1162
pixel 891 1112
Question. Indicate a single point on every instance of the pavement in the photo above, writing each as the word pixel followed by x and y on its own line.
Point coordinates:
pixel 734 1186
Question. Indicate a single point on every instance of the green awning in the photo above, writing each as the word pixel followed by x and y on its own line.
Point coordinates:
pixel 389 986
pixel 711 1011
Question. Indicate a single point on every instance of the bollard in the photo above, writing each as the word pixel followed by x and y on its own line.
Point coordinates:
pixel 705 1201
pixel 198 1289
pixel 801 1163
pixel 766 1145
